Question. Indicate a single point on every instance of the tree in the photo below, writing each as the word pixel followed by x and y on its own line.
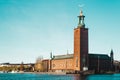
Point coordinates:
pixel 39 64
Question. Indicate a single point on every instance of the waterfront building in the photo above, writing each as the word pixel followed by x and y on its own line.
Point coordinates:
pixel 80 60
pixel 62 63
pixel 17 67
pixel 99 62
pixel 46 65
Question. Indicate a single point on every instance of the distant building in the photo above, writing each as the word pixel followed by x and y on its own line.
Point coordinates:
pixel 46 65
pixel 17 66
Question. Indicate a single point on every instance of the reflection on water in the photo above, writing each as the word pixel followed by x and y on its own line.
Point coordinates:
pixel 104 77
pixel 98 77
pixel 18 76
pixel 26 76
pixel 78 77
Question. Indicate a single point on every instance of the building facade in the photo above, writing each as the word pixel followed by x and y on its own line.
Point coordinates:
pixel 100 62
pixel 80 60
pixel 62 63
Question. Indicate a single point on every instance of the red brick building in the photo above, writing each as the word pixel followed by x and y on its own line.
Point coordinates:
pixel 80 60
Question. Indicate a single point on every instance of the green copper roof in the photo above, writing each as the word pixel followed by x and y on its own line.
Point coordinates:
pixel 81 20
pixel 67 56
pixel 100 56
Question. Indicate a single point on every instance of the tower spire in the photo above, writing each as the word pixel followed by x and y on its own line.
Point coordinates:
pixel 51 56
pixel 112 58
pixel 81 12
pixel 81 19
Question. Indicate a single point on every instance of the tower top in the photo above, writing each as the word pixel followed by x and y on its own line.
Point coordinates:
pixel 81 13
pixel 81 19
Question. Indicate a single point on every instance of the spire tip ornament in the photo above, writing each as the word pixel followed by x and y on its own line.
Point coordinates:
pixel 81 19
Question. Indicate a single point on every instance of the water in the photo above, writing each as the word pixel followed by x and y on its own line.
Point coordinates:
pixel 104 77
pixel 13 76
pixel 10 76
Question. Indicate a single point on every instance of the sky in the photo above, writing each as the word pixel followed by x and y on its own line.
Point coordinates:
pixel 33 28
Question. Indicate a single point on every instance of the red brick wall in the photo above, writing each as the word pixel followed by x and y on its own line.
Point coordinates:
pixel 62 64
pixel 80 47
pixel 80 52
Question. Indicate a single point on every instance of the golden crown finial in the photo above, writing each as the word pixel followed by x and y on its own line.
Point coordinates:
pixel 81 6
pixel 81 13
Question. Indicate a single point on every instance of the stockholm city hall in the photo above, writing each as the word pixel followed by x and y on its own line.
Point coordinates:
pixel 81 59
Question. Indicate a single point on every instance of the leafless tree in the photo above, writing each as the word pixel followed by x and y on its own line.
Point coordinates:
pixel 39 64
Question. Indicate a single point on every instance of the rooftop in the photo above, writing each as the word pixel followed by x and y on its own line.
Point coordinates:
pixel 100 56
pixel 67 56
pixel 91 55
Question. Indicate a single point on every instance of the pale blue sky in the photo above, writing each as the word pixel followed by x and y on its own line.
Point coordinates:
pixel 30 28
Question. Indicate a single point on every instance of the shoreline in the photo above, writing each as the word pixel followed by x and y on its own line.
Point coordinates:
pixel 63 73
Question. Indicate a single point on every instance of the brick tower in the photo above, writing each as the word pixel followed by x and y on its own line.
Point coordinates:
pixel 80 45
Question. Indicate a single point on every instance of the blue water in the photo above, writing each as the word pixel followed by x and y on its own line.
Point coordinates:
pixel 10 76
pixel 104 77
